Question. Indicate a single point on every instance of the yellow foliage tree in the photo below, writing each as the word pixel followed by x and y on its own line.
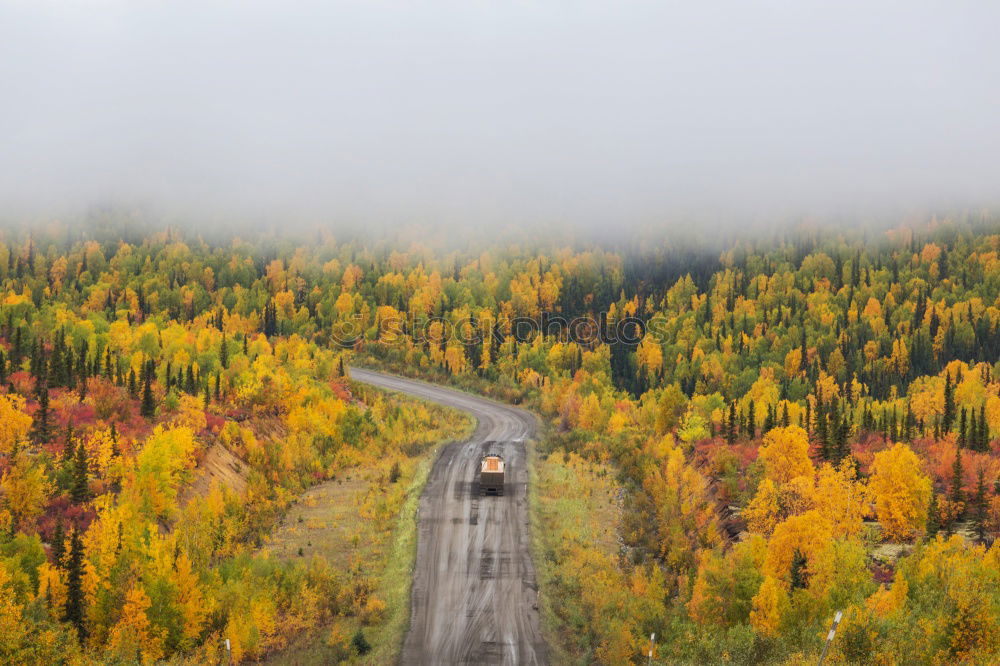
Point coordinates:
pixel 190 413
pixel 927 397
pixel 769 605
pixel 25 489
pixel 649 356
pixel 809 533
pixel 100 445
pixel 51 586
pixel 685 520
pixel 454 359
pixel 785 454
pixel 901 491
pixel 763 512
pixel 14 632
pixel 134 635
pixel 591 415
pixel 14 423
pixel 793 362
pixel 194 606
pixel 160 468
pixel 841 498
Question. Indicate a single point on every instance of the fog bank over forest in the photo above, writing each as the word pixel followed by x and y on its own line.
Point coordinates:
pixel 591 115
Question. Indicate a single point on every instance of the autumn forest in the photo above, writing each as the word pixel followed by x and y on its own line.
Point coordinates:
pixel 756 433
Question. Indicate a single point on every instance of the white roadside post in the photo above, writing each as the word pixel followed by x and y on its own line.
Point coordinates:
pixel 829 636
pixel 229 652
pixel 652 641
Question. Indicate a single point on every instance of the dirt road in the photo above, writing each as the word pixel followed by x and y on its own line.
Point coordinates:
pixel 474 592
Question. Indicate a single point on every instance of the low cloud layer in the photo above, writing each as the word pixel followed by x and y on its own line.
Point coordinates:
pixel 467 112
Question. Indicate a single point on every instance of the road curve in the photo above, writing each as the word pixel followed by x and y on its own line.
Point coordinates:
pixel 474 598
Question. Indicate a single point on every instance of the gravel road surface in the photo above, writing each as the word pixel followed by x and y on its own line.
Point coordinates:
pixel 474 597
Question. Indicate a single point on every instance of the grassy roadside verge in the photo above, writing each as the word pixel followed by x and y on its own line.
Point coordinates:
pixel 366 530
pixel 539 547
pixel 574 513
pixel 397 578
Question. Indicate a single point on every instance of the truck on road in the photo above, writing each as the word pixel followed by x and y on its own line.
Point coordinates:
pixel 491 474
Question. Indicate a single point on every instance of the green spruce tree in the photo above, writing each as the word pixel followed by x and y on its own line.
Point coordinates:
pixel 80 488
pixel 59 544
pixel 731 424
pixel 74 609
pixel 224 352
pixel 42 427
pixel 360 643
pixel 983 434
pixel 148 406
pixel 933 517
pixel 949 404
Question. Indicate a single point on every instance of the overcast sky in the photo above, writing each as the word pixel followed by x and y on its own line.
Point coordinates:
pixel 476 112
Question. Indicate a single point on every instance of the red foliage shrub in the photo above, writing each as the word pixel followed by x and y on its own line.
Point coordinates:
pixel 23 382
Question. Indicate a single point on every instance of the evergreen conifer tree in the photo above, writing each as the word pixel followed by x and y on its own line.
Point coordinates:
pixel 80 488
pixel 148 407
pixel 933 517
pixel 74 585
